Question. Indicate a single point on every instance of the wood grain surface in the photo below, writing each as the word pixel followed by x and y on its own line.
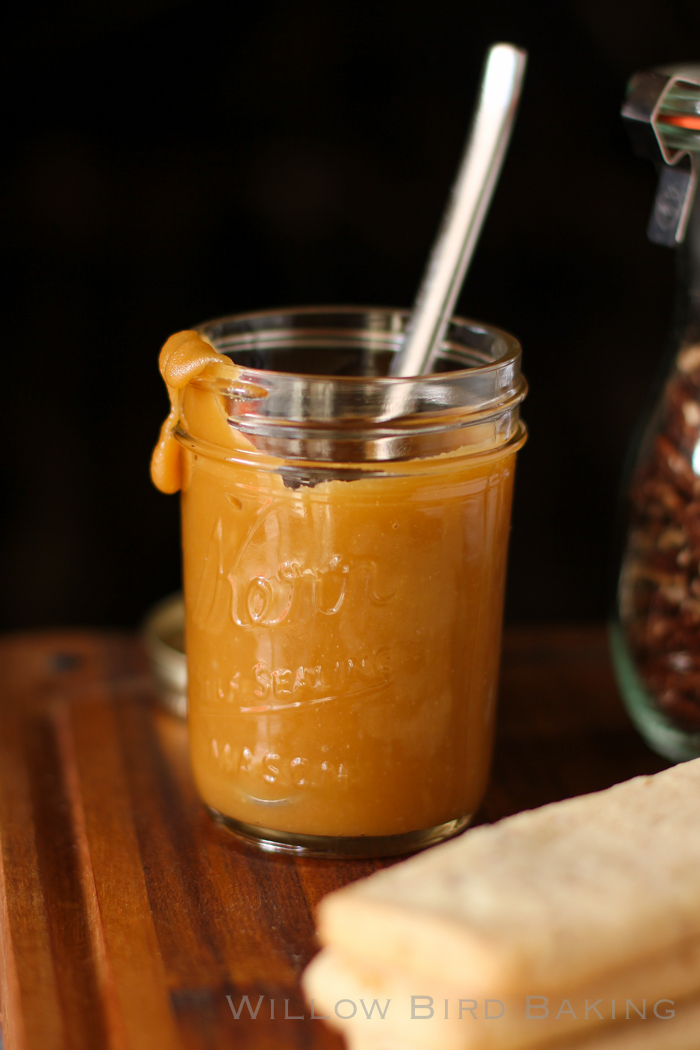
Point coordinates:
pixel 128 917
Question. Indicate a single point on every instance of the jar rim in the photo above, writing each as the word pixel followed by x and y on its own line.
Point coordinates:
pixel 213 332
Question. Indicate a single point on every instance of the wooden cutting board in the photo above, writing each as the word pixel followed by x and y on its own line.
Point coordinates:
pixel 131 922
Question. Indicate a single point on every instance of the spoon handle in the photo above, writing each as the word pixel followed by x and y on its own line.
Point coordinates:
pixel 466 209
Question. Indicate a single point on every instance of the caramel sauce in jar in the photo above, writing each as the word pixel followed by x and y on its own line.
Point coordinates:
pixel 343 616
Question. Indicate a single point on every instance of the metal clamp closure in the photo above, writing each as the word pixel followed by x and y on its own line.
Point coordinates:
pixel 678 167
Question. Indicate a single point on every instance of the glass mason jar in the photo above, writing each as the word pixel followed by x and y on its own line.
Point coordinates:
pixel 345 539
pixel 655 634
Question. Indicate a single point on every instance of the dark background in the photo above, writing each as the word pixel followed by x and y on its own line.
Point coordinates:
pixel 167 161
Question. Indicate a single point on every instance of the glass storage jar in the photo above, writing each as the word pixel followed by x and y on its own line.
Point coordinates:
pixel 655 633
pixel 344 571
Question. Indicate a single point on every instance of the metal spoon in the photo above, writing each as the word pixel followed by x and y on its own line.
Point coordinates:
pixel 466 210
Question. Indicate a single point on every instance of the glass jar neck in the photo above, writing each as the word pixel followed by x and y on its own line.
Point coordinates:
pixel 311 385
pixel 688 280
